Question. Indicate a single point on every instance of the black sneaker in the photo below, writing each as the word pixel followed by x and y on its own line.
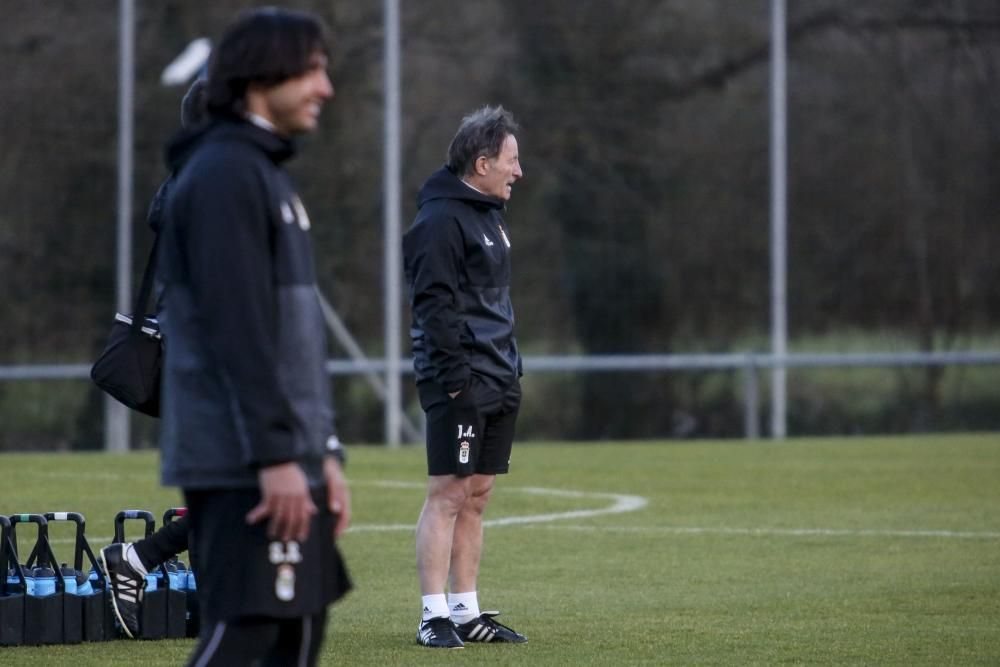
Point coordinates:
pixel 485 629
pixel 438 632
pixel 127 587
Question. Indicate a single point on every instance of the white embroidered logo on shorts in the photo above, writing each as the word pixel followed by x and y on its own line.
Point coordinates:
pixel 463 452
pixel 285 555
pixel 284 583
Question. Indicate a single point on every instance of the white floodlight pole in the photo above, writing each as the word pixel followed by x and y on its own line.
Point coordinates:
pixel 391 184
pixel 116 417
pixel 779 222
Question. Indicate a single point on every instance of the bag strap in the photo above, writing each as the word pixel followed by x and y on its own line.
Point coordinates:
pixel 139 313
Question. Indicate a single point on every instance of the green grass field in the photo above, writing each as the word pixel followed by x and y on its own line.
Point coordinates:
pixel 845 551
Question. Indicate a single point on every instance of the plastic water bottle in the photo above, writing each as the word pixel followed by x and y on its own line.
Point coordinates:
pixel 69 579
pixel 174 578
pixel 83 585
pixel 182 575
pixel 13 582
pixel 44 580
pixel 151 582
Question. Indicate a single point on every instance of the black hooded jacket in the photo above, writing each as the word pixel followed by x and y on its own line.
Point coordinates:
pixel 244 383
pixel 457 260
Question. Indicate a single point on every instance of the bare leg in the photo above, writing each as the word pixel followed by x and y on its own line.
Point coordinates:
pixel 446 495
pixel 467 539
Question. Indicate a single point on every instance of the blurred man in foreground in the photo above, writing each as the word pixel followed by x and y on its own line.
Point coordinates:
pixel 247 416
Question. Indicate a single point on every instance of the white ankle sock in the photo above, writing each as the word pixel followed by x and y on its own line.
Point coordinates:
pixel 133 559
pixel 464 606
pixel 435 605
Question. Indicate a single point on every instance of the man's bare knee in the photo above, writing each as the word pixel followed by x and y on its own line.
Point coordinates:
pixel 448 493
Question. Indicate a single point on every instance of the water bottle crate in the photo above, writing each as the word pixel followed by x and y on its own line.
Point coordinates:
pixel 43 602
pixel 163 611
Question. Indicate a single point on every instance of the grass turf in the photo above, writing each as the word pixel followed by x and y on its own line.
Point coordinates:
pixel 823 551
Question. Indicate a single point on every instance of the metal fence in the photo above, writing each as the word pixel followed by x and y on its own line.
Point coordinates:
pixel 748 364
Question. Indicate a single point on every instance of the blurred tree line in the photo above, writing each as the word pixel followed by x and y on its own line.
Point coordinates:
pixel 641 225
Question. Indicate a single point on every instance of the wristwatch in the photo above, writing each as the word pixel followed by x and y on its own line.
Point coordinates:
pixel 336 450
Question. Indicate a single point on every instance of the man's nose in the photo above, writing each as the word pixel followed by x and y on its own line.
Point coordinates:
pixel 326 87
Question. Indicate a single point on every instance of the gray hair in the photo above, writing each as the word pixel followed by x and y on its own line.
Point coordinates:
pixel 481 133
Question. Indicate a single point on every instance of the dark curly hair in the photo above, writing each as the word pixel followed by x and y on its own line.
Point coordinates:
pixel 265 46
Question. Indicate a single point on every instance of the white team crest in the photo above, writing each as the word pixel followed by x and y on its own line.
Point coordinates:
pixel 285 555
pixel 489 244
pixel 284 583
pixel 463 452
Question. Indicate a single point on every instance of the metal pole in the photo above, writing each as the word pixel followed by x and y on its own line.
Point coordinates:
pixel 751 400
pixel 779 222
pixel 116 416
pixel 391 270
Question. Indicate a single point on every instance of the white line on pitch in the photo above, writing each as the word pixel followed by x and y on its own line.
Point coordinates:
pixel 783 532
pixel 619 503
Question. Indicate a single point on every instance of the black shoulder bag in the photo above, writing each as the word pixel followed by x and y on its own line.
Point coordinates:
pixel 129 368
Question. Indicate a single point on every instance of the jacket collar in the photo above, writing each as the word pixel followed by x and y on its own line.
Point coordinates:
pixel 183 145
pixel 443 184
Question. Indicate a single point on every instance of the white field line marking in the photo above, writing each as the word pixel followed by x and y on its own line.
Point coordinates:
pixel 783 532
pixel 69 474
pixel 620 503
pixel 626 503
pixel 672 530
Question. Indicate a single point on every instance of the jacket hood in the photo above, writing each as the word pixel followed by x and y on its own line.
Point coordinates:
pixel 185 142
pixel 443 184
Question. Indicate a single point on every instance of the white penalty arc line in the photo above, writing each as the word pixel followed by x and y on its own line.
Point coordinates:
pixel 625 503
pixel 619 503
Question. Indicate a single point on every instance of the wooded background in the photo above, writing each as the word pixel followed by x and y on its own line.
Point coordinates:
pixel 641 224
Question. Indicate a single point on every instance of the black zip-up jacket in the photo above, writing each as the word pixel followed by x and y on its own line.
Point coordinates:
pixel 457 260
pixel 244 384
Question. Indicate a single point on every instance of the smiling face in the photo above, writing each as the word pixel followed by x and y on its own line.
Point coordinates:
pixel 293 106
pixel 495 176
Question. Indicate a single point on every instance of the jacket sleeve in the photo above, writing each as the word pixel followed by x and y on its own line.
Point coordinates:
pixel 435 251
pixel 230 264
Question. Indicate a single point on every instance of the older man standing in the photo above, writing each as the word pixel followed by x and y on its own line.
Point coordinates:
pixel 457 260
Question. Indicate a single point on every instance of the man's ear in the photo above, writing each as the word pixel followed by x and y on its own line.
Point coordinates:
pixel 482 165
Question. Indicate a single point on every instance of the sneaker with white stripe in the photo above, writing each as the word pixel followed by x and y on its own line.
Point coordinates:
pixel 438 632
pixel 127 587
pixel 485 629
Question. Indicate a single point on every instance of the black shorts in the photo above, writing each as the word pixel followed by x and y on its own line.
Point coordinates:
pixel 242 572
pixel 473 432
